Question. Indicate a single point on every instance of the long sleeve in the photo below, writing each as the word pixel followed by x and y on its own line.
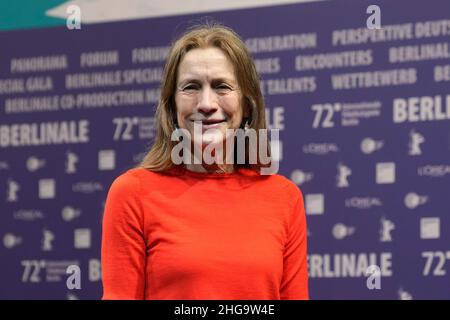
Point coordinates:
pixel 294 284
pixel 123 245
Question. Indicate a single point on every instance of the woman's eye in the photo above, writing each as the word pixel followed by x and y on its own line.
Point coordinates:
pixel 190 87
pixel 223 88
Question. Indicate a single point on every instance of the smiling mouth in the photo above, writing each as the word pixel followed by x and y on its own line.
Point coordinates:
pixel 208 122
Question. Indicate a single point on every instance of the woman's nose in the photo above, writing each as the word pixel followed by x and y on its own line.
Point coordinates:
pixel 207 100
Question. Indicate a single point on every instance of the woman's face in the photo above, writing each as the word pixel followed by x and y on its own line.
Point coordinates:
pixel 207 94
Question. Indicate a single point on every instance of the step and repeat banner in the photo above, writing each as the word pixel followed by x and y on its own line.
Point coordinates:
pixel 364 120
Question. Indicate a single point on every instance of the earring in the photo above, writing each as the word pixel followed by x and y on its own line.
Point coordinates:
pixel 178 132
pixel 246 126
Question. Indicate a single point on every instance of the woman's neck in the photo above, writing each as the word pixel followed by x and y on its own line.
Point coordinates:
pixel 228 168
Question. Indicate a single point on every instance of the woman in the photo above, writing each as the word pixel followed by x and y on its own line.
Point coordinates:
pixel 202 230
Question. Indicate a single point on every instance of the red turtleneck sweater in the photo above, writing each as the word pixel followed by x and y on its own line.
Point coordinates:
pixel 188 235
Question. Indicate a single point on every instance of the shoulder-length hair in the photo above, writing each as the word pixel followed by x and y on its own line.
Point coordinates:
pixel 207 35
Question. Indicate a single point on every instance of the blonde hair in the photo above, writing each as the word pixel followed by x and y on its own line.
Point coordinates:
pixel 205 35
